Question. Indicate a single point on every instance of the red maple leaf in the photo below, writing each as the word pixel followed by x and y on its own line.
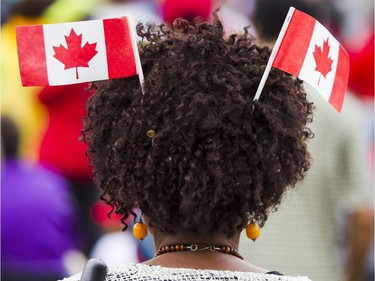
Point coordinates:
pixel 75 55
pixel 322 59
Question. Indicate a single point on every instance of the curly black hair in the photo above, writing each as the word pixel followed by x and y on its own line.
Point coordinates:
pixel 218 159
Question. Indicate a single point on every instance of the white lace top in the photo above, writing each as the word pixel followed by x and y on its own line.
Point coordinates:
pixel 141 272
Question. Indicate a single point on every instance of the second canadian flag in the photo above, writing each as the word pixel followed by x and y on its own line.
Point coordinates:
pixel 307 50
pixel 76 52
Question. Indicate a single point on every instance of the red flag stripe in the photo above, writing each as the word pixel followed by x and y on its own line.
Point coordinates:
pixel 120 57
pixel 295 43
pixel 341 80
pixel 31 55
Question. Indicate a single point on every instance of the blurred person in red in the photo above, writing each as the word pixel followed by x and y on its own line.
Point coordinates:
pixel 337 189
pixel 38 223
pixel 173 9
pixel 62 151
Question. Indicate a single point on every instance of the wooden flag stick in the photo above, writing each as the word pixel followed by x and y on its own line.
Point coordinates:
pixel 135 49
pixel 274 52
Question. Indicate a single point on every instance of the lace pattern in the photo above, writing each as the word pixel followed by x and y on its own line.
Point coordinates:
pixel 140 272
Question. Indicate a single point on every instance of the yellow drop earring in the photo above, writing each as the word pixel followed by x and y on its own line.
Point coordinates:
pixel 140 230
pixel 253 231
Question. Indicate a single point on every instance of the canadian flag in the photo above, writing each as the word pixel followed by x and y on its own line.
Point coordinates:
pixel 76 52
pixel 307 50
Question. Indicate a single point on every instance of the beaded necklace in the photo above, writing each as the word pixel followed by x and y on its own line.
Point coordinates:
pixel 194 247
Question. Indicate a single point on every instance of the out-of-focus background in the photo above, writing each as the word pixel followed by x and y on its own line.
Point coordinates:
pixel 51 218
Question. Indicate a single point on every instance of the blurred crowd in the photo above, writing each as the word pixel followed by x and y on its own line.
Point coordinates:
pixel 52 220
